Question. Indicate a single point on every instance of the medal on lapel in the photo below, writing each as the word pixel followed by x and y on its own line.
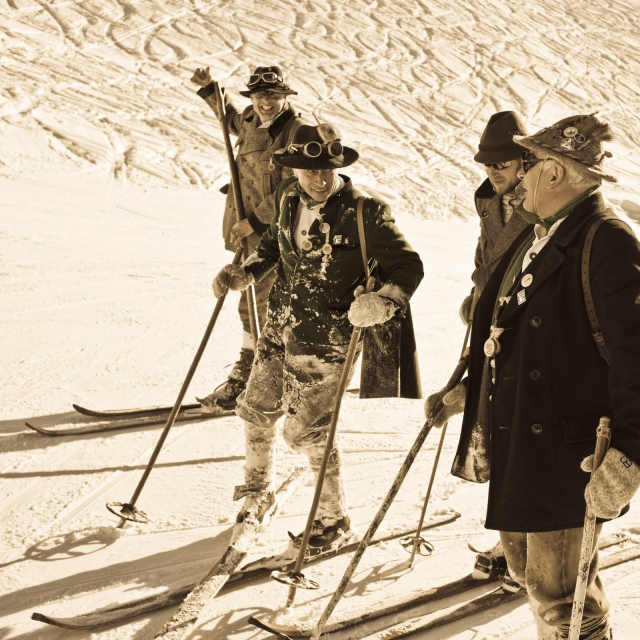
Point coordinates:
pixel 492 344
pixel 326 229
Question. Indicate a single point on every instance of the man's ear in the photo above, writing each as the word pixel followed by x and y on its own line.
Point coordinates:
pixel 556 175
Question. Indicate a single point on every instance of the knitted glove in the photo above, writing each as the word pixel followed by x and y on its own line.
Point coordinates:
pixel 612 485
pixel 370 308
pixel 453 402
pixel 231 276
pixel 465 309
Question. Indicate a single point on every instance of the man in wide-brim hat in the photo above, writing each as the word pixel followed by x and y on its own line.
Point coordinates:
pixel 313 247
pixel 265 126
pixel 554 348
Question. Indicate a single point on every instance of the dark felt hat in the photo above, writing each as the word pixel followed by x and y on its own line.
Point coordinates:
pixel 496 143
pixel 578 140
pixel 293 156
pixel 279 86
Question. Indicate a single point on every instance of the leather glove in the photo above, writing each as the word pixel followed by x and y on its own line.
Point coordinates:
pixel 612 485
pixel 231 276
pixel 370 308
pixel 453 402
pixel 465 309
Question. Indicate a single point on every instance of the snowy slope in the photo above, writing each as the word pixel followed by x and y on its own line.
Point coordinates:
pixel 109 230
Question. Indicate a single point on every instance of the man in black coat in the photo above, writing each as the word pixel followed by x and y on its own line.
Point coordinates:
pixel 538 385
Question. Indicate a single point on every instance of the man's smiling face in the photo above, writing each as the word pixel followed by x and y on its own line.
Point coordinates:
pixel 267 104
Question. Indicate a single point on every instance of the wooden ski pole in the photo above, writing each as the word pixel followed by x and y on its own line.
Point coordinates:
pixel 295 578
pixel 417 540
pixel 603 437
pixel 128 510
pixel 250 293
pixel 393 491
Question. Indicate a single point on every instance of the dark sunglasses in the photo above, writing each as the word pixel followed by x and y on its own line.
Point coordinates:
pixel 314 149
pixel 498 165
pixel 268 76
pixel 273 95
pixel 529 160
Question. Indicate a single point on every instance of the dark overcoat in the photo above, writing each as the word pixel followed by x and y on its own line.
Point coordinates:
pixel 313 291
pixel 552 385
pixel 495 236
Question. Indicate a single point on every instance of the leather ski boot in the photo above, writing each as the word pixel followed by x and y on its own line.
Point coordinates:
pixel 226 394
pixel 489 562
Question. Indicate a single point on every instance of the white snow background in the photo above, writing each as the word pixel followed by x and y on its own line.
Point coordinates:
pixel 110 221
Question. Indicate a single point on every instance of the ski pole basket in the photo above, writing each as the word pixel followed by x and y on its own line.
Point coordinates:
pixel 128 512
pixel 422 546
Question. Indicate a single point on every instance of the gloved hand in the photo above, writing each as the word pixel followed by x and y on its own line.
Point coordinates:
pixel 612 485
pixel 453 402
pixel 231 276
pixel 465 309
pixel 370 308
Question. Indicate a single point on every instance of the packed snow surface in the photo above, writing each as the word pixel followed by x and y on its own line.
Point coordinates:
pixel 110 220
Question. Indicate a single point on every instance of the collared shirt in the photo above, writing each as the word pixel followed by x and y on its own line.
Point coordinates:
pixel 307 215
pixel 542 237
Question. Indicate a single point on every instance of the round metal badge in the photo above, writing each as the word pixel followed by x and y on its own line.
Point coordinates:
pixel 569 132
pixel 491 347
pixel 307 245
pixel 579 138
pixel 527 280
pixel 325 228
pixel 326 249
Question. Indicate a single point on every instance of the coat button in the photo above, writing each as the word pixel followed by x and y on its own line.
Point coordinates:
pixel 536 429
pixel 536 322
pixel 534 374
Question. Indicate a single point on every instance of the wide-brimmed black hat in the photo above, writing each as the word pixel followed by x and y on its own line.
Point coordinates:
pixel 496 143
pixel 268 79
pixel 316 148
pixel 576 140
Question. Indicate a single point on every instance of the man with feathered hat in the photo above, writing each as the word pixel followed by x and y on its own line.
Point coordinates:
pixel 313 248
pixel 538 385
pixel 265 126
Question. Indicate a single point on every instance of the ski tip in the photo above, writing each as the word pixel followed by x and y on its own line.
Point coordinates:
pixel 40 617
pixel 40 430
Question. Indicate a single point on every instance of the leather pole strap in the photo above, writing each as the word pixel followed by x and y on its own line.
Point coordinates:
pixel 586 290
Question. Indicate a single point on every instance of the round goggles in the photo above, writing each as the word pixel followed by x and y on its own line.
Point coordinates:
pixel 269 77
pixel 314 149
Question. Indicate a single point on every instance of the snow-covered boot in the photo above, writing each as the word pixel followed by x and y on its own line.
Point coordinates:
pixel 226 394
pixel 324 540
pixel 256 512
pixel 489 562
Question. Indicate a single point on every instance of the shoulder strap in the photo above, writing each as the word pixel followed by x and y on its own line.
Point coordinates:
pixel 363 239
pixel 586 290
pixel 280 194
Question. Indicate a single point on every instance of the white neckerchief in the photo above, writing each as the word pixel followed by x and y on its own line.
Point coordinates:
pixel 306 216
pixel 268 123
pixel 542 237
pixel 507 209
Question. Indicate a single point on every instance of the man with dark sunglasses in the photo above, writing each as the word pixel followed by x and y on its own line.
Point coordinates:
pixel 555 346
pixel 262 128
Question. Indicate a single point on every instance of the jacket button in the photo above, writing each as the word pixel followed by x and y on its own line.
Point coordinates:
pixel 536 322
pixel 534 374
pixel 536 429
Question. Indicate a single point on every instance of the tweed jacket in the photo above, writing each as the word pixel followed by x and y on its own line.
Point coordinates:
pixel 313 291
pixel 259 175
pixel 551 384
pixel 495 237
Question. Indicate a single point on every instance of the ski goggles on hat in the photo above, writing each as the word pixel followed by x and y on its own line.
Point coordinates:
pixel 314 149
pixel 529 160
pixel 268 76
pixel 498 165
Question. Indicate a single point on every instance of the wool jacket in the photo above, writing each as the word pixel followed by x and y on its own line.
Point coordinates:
pixel 495 237
pixel 259 175
pixel 313 291
pixel 551 384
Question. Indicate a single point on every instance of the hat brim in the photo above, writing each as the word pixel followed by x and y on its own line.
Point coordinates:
pixel 323 162
pixel 492 157
pixel 284 92
pixel 530 143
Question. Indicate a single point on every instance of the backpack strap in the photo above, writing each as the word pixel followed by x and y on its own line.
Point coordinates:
pixel 363 239
pixel 280 196
pixel 586 290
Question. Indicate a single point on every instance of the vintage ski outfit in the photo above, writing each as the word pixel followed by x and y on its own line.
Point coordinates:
pixel 537 386
pixel 259 176
pixel 314 251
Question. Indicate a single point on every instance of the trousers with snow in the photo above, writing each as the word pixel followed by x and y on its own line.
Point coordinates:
pixel 546 564
pixel 298 380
